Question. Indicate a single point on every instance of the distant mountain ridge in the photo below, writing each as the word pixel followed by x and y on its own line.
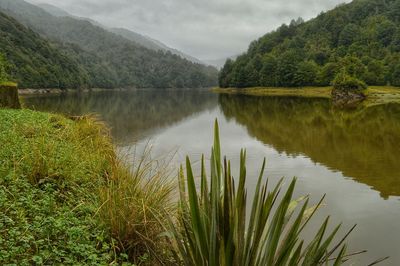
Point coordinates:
pixel 128 34
pixel 109 59
pixel 55 11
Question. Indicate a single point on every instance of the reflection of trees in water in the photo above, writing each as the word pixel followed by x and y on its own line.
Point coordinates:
pixel 130 114
pixel 363 143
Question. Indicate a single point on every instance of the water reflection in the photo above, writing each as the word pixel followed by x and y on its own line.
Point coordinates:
pixel 131 115
pixel 363 144
pixel 324 147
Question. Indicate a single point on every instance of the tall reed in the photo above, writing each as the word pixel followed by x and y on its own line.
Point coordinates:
pixel 136 199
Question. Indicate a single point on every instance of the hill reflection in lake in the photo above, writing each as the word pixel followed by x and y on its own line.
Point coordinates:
pixel 363 144
pixel 131 115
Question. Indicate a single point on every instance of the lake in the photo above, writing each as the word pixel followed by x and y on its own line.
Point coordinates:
pixel 351 155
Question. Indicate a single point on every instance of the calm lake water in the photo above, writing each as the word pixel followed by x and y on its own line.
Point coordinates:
pixel 353 156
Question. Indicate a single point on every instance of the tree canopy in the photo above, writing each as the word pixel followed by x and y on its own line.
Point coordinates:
pixel 362 37
pixel 3 73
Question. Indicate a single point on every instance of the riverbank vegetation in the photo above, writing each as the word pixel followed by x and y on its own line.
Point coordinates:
pixel 50 169
pixel 375 94
pixel 362 38
pixel 68 199
pixel 56 176
pixel 218 230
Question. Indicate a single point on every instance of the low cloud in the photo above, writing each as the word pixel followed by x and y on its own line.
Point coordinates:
pixel 206 29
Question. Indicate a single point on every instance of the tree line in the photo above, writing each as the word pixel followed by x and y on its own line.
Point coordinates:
pixel 361 38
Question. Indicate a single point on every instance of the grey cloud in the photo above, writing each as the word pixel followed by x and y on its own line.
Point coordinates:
pixel 207 29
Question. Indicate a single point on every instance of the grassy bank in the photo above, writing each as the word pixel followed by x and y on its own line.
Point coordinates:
pixel 312 92
pixel 374 93
pixel 66 199
pixel 50 170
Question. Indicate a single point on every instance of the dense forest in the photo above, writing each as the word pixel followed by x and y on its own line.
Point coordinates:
pixel 361 38
pixel 73 53
pixel 3 72
pixel 34 62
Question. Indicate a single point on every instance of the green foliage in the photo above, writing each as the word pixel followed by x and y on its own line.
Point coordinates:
pixel 343 81
pixel 3 73
pixel 306 73
pixel 134 202
pixel 341 38
pixel 50 171
pixel 218 231
pixel 34 62
pixel 395 76
pixel 349 34
pixel 84 55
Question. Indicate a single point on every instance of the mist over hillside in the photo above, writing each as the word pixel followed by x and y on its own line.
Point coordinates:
pixel 108 59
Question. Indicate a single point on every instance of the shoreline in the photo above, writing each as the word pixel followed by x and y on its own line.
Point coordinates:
pixel 25 92
pixel 375 94
pixel 35 92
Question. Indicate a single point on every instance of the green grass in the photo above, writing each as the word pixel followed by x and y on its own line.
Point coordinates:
pixel 51 169
pixel 382 93
pixel 8 84
pixel 311 92
pixel 136 204
pixel 67 199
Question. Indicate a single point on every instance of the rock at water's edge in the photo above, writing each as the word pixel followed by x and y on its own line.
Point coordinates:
pixel 347 97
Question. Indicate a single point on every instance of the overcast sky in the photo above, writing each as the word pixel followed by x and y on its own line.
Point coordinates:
pixel 206 29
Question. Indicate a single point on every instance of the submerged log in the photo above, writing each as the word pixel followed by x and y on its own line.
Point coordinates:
pixel 9 96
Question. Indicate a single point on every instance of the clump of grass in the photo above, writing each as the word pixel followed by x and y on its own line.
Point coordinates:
pixel 216 230
pixel 41 146
pixel 136 201
pixel 66 198
pixel 51 169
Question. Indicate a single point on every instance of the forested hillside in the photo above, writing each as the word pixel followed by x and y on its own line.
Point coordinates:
pixel 151 43
pixel 105 59
pixel 3 73
pixel 33 62
pixel 140 39
pixel 362 38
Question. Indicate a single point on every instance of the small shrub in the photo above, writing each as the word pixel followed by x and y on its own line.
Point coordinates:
pixel 343 81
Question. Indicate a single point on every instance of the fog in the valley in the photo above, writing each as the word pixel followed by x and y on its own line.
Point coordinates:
pixel 206 29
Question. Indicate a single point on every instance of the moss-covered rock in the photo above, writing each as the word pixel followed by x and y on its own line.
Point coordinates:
pixel 348 90
pixel 9 96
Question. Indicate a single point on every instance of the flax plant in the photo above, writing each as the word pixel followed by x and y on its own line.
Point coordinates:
pixel 218 230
